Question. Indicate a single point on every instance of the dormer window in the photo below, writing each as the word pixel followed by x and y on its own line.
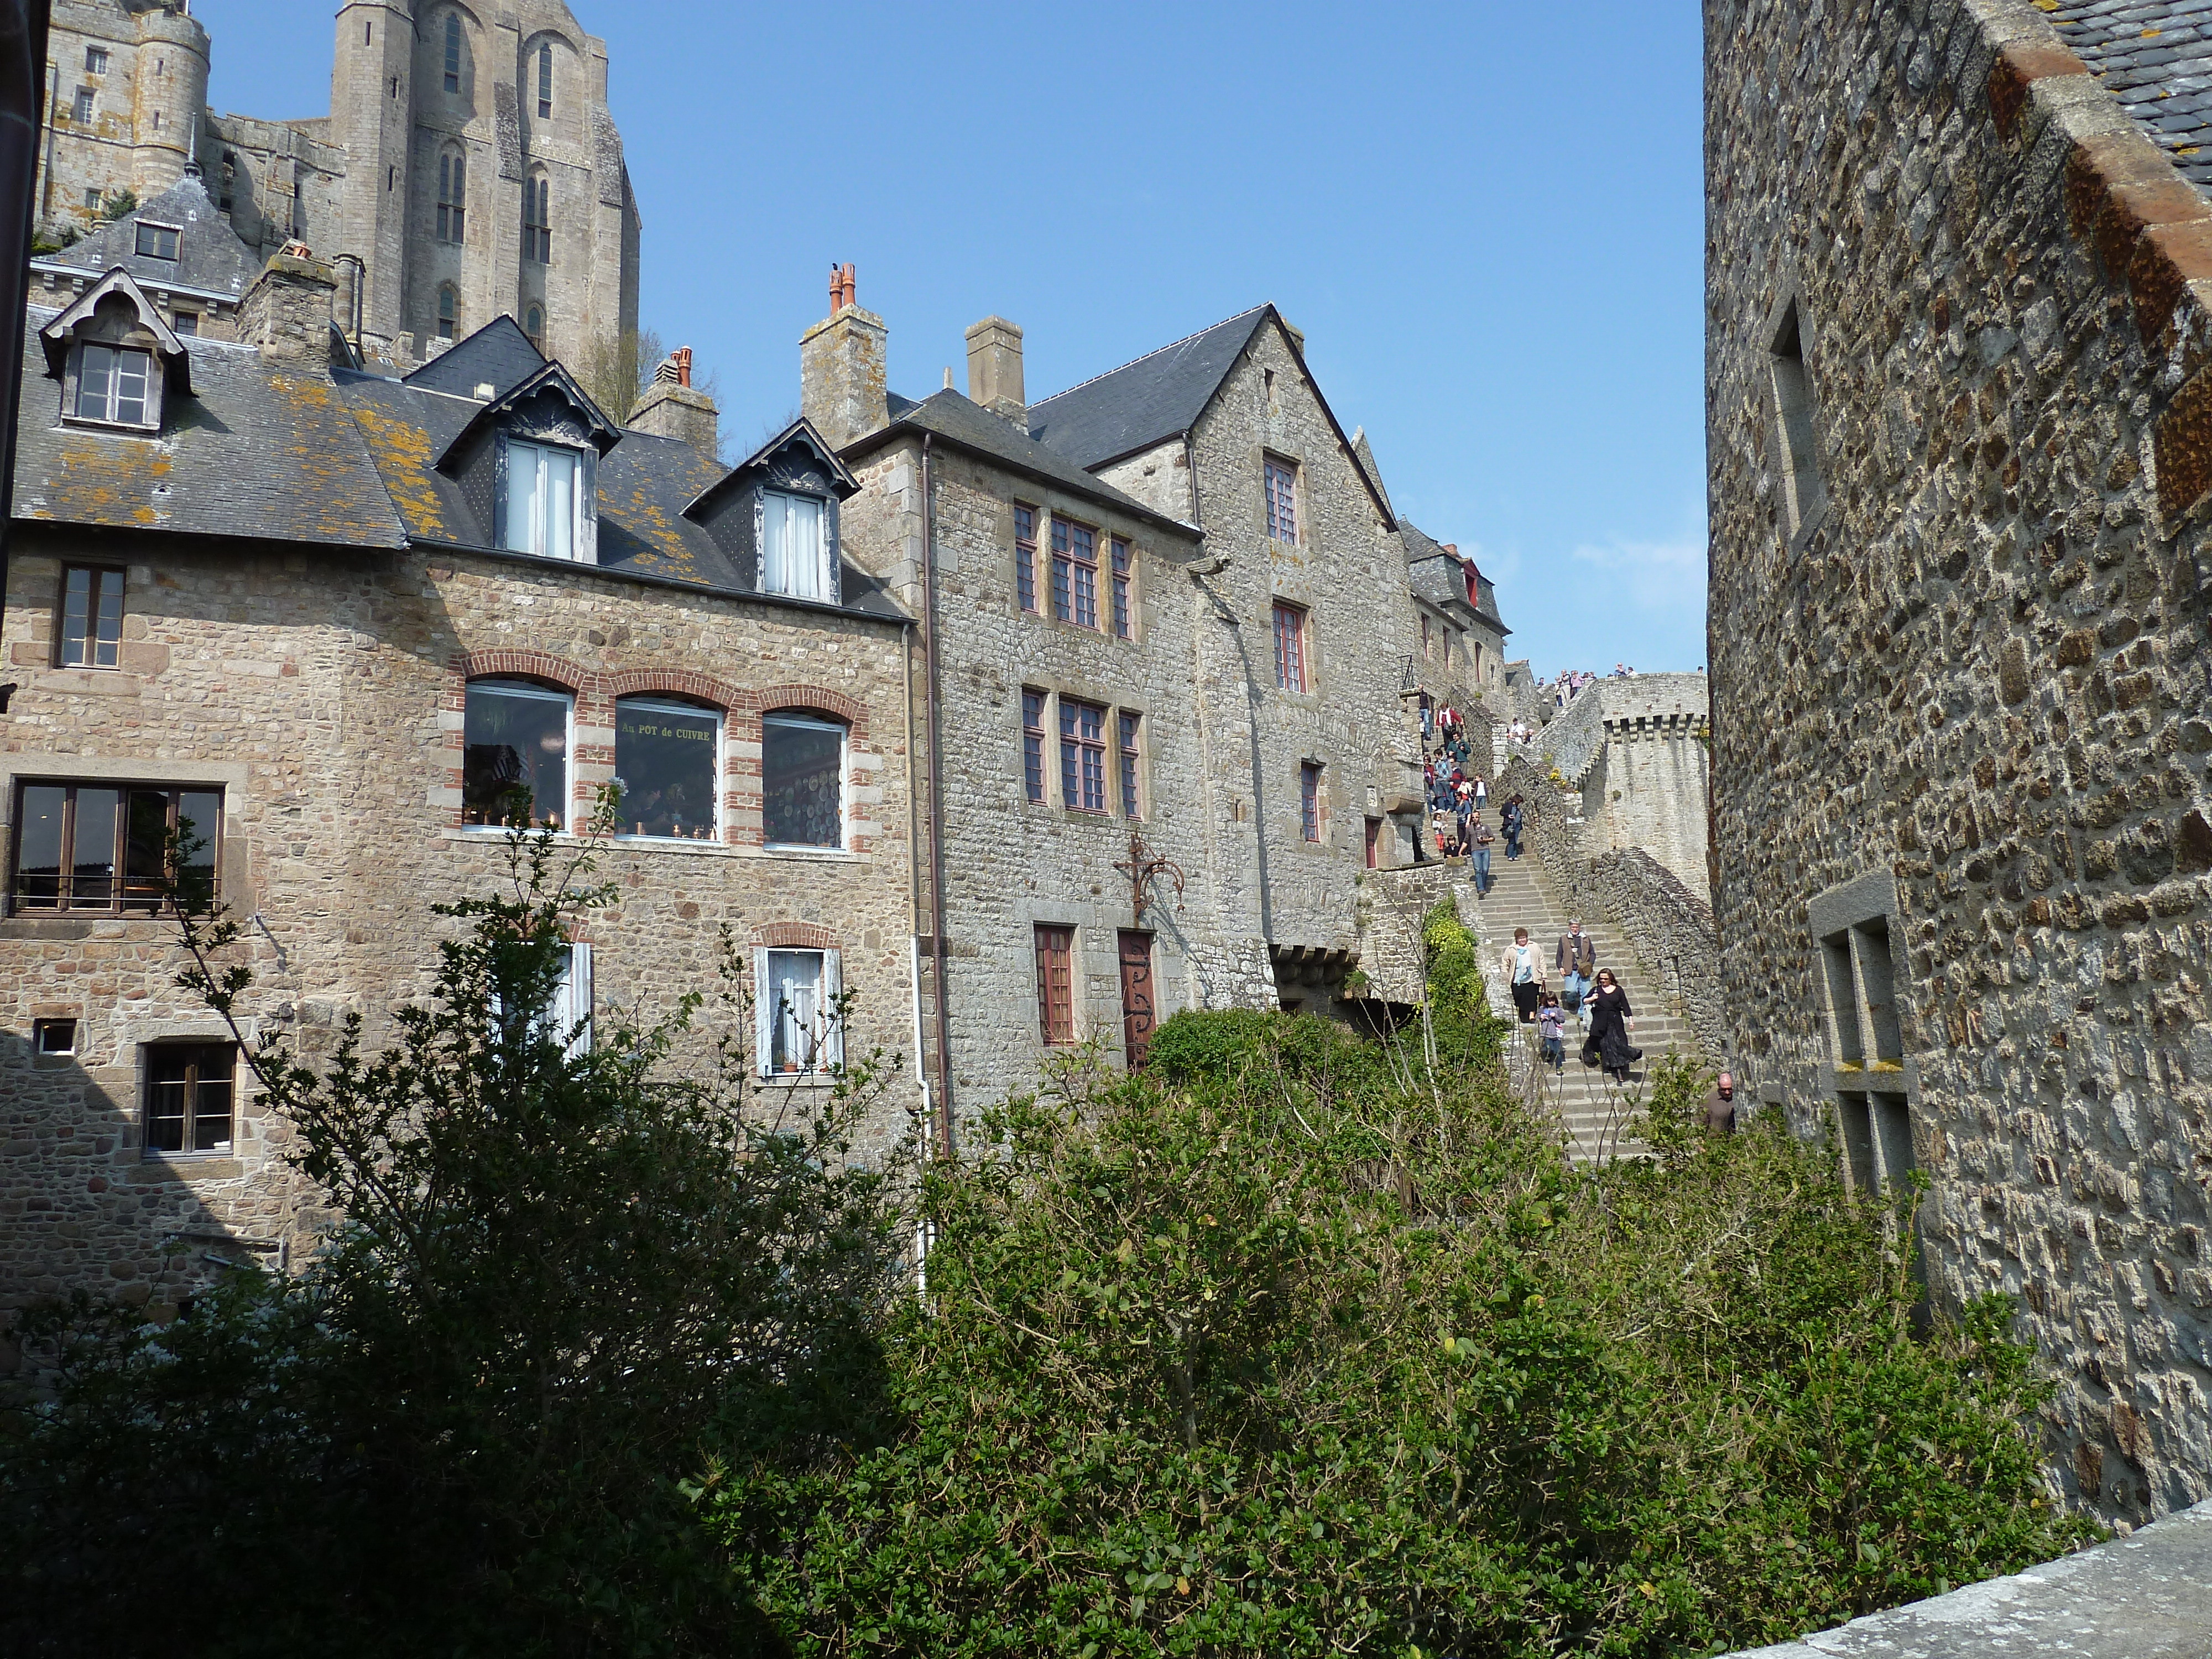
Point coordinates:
pixel 116 357
pixel 157 241
pixel 112 385
pixel 794 545
pixel 546 502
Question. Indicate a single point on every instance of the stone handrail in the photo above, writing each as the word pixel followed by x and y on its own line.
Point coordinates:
pixel 1669 926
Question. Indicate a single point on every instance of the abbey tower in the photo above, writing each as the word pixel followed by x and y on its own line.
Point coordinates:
pixel 469 161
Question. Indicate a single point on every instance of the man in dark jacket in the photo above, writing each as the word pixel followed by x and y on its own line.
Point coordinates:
pixel 1720 1106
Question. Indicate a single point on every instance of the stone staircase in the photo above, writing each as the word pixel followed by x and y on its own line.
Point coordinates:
pixel 1594 1110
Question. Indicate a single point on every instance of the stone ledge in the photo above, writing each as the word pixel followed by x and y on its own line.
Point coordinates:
pixel 2147 1596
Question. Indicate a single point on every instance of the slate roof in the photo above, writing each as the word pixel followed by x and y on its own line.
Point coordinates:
pixel 257 450
pixel 209 255
pixel 2155 57
pixel 645 481
pixel 499 354
pixel 1137 405
pixel 1436 574
pixel 961 421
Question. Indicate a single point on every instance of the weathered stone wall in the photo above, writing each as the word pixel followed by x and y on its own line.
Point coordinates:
pixel 1012 863
pixel 324 697
pixel 1347 568
pixel 1958 603
pixel 1635 748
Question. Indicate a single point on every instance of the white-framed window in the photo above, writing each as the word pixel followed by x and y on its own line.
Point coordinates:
pixel 795 543
pixel 516 736
pixel 566 1015
pixel 546 504
pixel 113 383
pixel 667 758
pixel 796 1030
pixel 96 60
pixel 802 778
pixel 81 107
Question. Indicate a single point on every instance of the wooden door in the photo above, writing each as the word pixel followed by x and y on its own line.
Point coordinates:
pixel 1138 1004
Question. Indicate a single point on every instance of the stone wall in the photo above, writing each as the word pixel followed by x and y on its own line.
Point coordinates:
pixel 1635 748
pixel 324 694
pixel 1956 419
pixel 1012 863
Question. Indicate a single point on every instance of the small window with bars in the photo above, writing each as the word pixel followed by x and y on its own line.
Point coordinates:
pixel 96 60
pixel 113 384
pixel 1290 647
pixel 1025 552
pixel 81 107
pixel 1033 744
pixel 190 1091
pixel 1124 624
pixel 1282 477
pixel 1309 800
pixel 92 618
pixel 1055 985
pixel 1082 757
pixel 1130 726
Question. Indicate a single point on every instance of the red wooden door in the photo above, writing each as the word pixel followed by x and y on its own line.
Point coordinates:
pixel 1138 1017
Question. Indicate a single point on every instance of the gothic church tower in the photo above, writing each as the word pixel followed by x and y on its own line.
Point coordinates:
pixel 469 161
pixel 483 175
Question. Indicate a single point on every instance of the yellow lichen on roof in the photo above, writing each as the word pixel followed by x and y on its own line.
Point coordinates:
pixel 401 451
pixel 107 481
pixel 644 519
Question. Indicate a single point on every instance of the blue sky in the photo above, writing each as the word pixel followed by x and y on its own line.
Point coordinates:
pixel 1488 219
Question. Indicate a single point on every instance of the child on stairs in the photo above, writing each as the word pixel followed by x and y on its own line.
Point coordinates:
pixel 1552 1025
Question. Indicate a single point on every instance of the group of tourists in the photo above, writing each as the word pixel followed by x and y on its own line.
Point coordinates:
pixel 1458 801
pixel 1589 994
pixel 1572 683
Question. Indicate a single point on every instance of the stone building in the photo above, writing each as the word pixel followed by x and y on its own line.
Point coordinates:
pixel 1143 809
pixel 1318 743
pixel 334 619
pixel 1633 751
pixel 469 163
pixel 1959 285
pixel 1461 655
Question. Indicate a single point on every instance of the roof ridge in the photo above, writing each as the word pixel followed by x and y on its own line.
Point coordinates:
pixel 1263 306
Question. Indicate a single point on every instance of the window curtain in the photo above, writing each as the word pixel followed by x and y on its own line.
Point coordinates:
pixel 795 997
pixel 541 500
pixel 794 553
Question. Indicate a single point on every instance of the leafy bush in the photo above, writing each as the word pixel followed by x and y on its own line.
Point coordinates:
pixel 463 1430
pixel 1232 1364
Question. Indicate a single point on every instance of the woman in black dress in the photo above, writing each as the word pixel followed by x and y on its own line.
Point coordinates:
pixel 1609 1017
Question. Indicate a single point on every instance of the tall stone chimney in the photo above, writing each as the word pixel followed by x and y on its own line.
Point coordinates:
pixel 287 312
pixel 672 408
pixel 841 367
pixel 994 370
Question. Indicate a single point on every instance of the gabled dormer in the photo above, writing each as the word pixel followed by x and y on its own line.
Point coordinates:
pixel 528 462
pixel 775 513
pixel 117 361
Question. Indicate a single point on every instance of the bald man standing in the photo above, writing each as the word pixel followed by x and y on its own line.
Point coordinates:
pixel 1720 1106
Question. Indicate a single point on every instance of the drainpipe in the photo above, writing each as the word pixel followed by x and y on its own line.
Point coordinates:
pixel 935 798
pixel 914 880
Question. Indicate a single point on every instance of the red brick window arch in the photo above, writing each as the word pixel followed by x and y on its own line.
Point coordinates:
pixel 804 768
pixel 668 765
